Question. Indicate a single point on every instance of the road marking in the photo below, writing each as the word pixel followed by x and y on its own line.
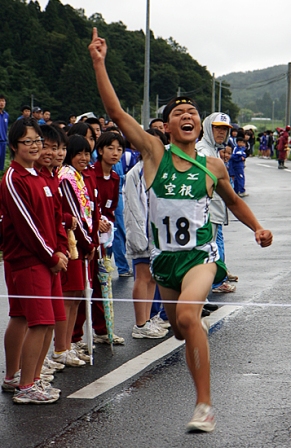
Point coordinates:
pixel 141 362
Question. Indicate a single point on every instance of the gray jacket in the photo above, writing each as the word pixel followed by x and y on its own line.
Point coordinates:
pixel 208 147
pixel 135 213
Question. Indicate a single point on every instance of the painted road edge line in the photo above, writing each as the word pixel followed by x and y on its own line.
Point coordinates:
pixel 141 362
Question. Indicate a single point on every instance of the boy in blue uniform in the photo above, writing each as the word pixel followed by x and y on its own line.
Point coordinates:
pixel 4 118
pixel 237 163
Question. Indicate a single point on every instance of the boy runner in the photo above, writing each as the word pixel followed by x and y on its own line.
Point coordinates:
pixel 185 257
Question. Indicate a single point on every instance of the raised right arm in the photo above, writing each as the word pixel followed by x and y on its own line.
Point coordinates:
pixel 150 147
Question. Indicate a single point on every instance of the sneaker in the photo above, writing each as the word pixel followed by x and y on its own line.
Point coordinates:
pixel 243 195
pixel 103 339
pixel 47 378
pixel 157 320
pixel 33 395
pixel 47 387
pixel 10 385
pixel 205 312
pixel 203 419
pixel 126 274
pixel 81 346
pixel 149 330
pixel 80 353
pixel 53 364
pixel 225 287
pixel 68 358
pixel 231 277
pixel 210 307
pixel 47 371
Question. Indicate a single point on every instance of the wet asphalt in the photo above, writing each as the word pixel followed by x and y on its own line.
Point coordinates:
pixel 250 357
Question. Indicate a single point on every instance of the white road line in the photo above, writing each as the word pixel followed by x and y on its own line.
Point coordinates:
pixel 141 362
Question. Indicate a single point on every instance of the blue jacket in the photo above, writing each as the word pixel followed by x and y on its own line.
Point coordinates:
pixel 239 153
pixel 4 118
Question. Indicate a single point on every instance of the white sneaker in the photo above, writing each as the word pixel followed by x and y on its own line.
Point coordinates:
pixel 68 358
pixel 82 346
pixel 103 339
pixel 49 363
pixel 80 353
pixel 33 395
pixel 160 322
pixel 203 419
pixel 47 371
pixel 47 387
pixel 149 330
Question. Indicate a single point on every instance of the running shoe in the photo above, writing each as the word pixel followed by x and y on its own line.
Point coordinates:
pixel 126 274
pixel 149 331
pixel 103 339
pixel 224 288
pixel 157 320
pixel 10 385
pixel 68 358
pixel 53 364
pixel 80 353
pixel 47 387
pixel 33 395
pixel 47 371
pixel 82 346
pixel 231 277
pixel 203 419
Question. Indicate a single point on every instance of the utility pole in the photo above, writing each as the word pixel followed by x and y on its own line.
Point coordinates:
pixel 213 94
pixel 157 105
pixel 146 91
pixel 219 97
pixel 287 121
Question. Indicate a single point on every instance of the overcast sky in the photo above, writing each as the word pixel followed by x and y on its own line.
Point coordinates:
pixel 225 36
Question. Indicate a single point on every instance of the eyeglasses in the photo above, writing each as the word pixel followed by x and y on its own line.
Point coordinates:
pixel 28 142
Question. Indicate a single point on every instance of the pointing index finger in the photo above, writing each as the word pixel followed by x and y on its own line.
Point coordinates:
pixel 95 33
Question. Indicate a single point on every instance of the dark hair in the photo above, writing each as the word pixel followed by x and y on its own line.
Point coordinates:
pixel 19 130
pixel 2 97
pixel 25 107
pixel 72 115
pixel 174 102
pixel 76 144
pixel 58 122
pixel 159 134
pixel 240 139
pixel 81 128
pixel 113 129
pixel 50 133
pixel 154 120
pixel 63 136
pixel 106 139
pixel 93 120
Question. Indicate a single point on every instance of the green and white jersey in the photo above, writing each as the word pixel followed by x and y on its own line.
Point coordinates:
pixel 179 207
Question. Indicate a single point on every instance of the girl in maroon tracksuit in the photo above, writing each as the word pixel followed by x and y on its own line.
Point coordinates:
pixel 79 201
pixel 34 251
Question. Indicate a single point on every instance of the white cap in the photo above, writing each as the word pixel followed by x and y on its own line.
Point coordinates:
pixel 221 120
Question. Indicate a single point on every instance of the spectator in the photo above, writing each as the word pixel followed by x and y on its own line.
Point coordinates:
pixel 4 119
pixel 216 128
pixel 25 112
pixel 33 255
